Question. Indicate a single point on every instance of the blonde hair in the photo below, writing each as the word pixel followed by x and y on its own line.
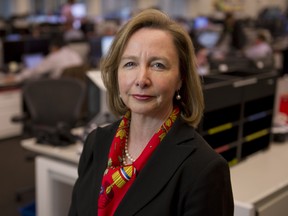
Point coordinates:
pixel 192 102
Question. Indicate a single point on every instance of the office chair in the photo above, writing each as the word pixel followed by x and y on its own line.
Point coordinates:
pixel 76 71
pixel 79 72
pixel 53 107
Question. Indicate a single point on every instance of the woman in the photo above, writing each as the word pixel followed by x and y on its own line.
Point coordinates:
pixel 152 161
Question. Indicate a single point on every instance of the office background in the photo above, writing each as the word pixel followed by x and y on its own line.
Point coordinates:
pixel 187 8
pixel 17 172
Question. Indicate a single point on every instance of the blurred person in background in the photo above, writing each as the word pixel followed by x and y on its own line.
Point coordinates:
pixel 52 65
pixel 71 33
pixel 66 11
pixel 259 49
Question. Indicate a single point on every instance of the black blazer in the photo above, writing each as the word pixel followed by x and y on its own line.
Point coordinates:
pixel 184 176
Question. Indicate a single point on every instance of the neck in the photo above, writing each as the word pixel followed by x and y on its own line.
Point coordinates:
pixel 148 124
pixel 141 130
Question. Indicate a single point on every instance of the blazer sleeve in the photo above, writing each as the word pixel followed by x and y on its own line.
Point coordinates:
pixel 85 158
pixel 212 187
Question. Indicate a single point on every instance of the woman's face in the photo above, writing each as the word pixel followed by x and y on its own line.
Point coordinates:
pixel 148 73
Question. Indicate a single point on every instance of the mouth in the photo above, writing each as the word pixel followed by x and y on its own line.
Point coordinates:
pixel 142 97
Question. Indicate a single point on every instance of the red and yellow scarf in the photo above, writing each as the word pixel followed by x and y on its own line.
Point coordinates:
pixel 118 177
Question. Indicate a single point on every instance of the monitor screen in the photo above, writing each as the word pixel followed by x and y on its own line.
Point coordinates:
pixel 79 10
pixel 13 37
pixel 106 42
pixel 208 39
pixel 32 60
pixel 200 22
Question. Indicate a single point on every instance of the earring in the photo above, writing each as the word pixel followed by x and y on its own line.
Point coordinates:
pixel 178 96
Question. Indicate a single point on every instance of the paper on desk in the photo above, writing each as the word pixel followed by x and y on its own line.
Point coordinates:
pixel 95 76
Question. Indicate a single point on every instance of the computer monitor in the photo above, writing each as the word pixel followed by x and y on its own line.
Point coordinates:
pixel 36 45
pixel 79 10
pixel 13 37
pixel 99 47
pixel 208 38
pixel 106 42
pixel 95 51
pixel 32 60
pixel 13 50
pixel 200 22
pixel 97 100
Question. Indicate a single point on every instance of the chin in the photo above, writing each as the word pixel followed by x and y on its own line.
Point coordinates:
pixel 142 109
pixel 149 110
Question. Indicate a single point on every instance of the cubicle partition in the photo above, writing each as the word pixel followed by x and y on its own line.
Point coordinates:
pixel 238 112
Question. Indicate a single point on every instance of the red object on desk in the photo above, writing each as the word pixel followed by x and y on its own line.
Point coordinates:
pixel 283 107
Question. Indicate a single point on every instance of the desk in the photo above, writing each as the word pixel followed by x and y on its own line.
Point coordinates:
pixel 69 153
pixel 10 105
pixel 56 172
pixel 54 184
pixel 260 183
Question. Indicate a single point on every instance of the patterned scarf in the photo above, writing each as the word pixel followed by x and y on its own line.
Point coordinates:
pixel 118 177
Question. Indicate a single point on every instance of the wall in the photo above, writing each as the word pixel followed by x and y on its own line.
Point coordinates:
pixel 94 7
pixel 188 8
pixel 192 8
pixel 15 7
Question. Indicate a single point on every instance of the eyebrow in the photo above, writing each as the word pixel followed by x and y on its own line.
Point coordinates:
pixel 153 58
pixel 128 57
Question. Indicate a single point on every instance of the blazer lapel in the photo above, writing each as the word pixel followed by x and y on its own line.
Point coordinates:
pixel 163 162
pixel 106 136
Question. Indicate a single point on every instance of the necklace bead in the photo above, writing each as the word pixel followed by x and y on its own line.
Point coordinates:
pixel 127 154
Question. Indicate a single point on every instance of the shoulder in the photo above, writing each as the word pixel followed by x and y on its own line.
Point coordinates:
pixel 97 144
pixel 203 154
pixel 187 136
pixel 101 133
pixel 104 135
pixel 205 163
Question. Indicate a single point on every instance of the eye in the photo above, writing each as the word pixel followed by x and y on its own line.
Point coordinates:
pixel 129 64
pixel 158 66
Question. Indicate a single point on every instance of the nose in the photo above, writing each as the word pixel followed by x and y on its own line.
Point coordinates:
pixel 143 79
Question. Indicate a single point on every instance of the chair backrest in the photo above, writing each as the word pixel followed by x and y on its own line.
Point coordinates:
pixel 81 47
pixel 79 72
pixel 54 101
pixel 76 71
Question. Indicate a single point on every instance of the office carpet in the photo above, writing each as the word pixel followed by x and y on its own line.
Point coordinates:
pixel 16 176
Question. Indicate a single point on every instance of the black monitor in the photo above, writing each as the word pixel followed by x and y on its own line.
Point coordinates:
pixel 99 47
pixel 13 50
pixel 95 51
pixel 36 45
